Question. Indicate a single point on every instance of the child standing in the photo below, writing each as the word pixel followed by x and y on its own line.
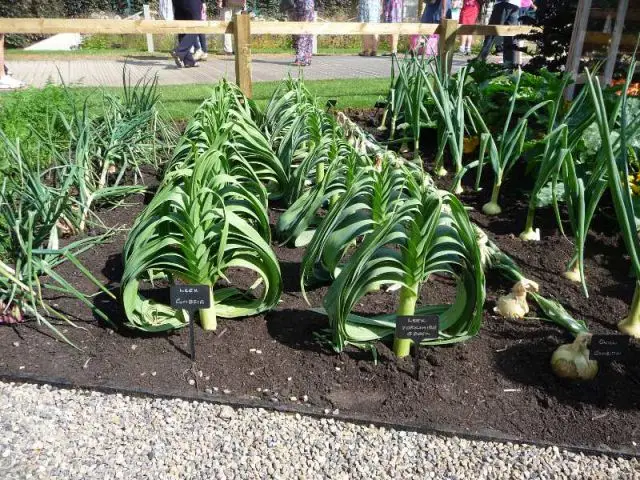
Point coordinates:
pixel 468 16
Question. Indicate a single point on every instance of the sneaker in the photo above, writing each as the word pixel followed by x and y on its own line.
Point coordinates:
pixel 10 83
pixel 191 65
pixel 204 57
pixel 197 55
pixel 462 51
pixel 177 59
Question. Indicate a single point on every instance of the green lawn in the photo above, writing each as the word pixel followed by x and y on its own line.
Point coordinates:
pixel 181 100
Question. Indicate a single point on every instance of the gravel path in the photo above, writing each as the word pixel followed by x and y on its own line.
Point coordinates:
pixel 65 434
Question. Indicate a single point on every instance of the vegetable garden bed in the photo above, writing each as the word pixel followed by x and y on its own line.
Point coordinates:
pixel 377 235
pixel 499 380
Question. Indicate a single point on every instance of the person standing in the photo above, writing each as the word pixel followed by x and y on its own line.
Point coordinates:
pixel 505 12
pixel 433 14
pixel 229 8
pixel 7 82
pixel 303 44
pixel 186 10
pixel 527 7
pixel 202 52
pixel 468 16
pixel 369 11
pixel 392 13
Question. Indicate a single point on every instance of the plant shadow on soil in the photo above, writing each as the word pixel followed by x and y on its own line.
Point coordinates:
pixel 528 363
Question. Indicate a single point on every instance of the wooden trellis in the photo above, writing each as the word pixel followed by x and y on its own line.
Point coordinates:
pixel 615 40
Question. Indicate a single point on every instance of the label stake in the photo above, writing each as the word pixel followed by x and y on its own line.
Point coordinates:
pixel 190 298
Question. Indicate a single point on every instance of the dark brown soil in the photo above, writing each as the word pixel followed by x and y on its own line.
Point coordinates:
pixel 499 381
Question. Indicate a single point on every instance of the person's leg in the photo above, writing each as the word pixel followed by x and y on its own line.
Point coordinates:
pixel 393 42
pixel 511 16
pixel 227 16
pixel 183 52
pixel 489 40
pixel 2 66
pixel 374 44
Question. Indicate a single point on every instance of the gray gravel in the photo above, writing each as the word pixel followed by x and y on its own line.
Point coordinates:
pixel 65 434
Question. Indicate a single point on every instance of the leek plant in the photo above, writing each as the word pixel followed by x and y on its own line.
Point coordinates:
pixel 226 118
pixel 616 161
pixel 200 224
pixel 371 194
pixel 504 150
pixel 427 234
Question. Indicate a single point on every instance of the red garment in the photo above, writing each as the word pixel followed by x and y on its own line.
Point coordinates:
pixel 470 12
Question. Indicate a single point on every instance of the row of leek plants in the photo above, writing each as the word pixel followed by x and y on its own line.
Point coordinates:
pixel 208 218
pixel 385 225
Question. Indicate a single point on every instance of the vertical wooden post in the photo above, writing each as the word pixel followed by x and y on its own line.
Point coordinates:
pixel 314 44
pixel 242 37
pixel 577 44
pixel 147 16
pixel 621 15
pixel 447 40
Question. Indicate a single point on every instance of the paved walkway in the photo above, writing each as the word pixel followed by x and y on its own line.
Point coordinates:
pixel 108 72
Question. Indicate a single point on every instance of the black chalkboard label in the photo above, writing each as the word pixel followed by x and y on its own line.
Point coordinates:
pixel 418 327
pixel 380 105
pixel 190 297
pixel 332 102
pixel 608 347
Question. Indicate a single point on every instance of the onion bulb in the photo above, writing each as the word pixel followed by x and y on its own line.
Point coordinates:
pixel 514 305
pixel 491 208
pixel 442 172
pixel 573 274
pixel 572 360
pixel 9 316
pixel 530 235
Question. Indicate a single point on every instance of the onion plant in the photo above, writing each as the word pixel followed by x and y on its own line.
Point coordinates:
pixel 429 233
pixel 30 214
pixel 447 93
pixel 407 100
pixel 503 150
pixel 618 181
pixel 565 128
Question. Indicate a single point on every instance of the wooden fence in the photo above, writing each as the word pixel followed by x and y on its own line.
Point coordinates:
pixel 242 28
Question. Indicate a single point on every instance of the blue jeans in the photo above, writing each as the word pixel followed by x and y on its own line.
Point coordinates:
pixel 201 42
pixel 503 14
pixel 186 41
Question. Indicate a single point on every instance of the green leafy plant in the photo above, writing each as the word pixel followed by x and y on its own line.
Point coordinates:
pixel 504 150
pixel 428 234
pixel 618 181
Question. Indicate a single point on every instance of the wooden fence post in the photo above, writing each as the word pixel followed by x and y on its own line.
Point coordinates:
pixel 242 37
pixel 447 40
pixel 577 43
pixel 614 47
pixel 147 16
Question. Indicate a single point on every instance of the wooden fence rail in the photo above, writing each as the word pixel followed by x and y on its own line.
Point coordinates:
pixel 242 29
